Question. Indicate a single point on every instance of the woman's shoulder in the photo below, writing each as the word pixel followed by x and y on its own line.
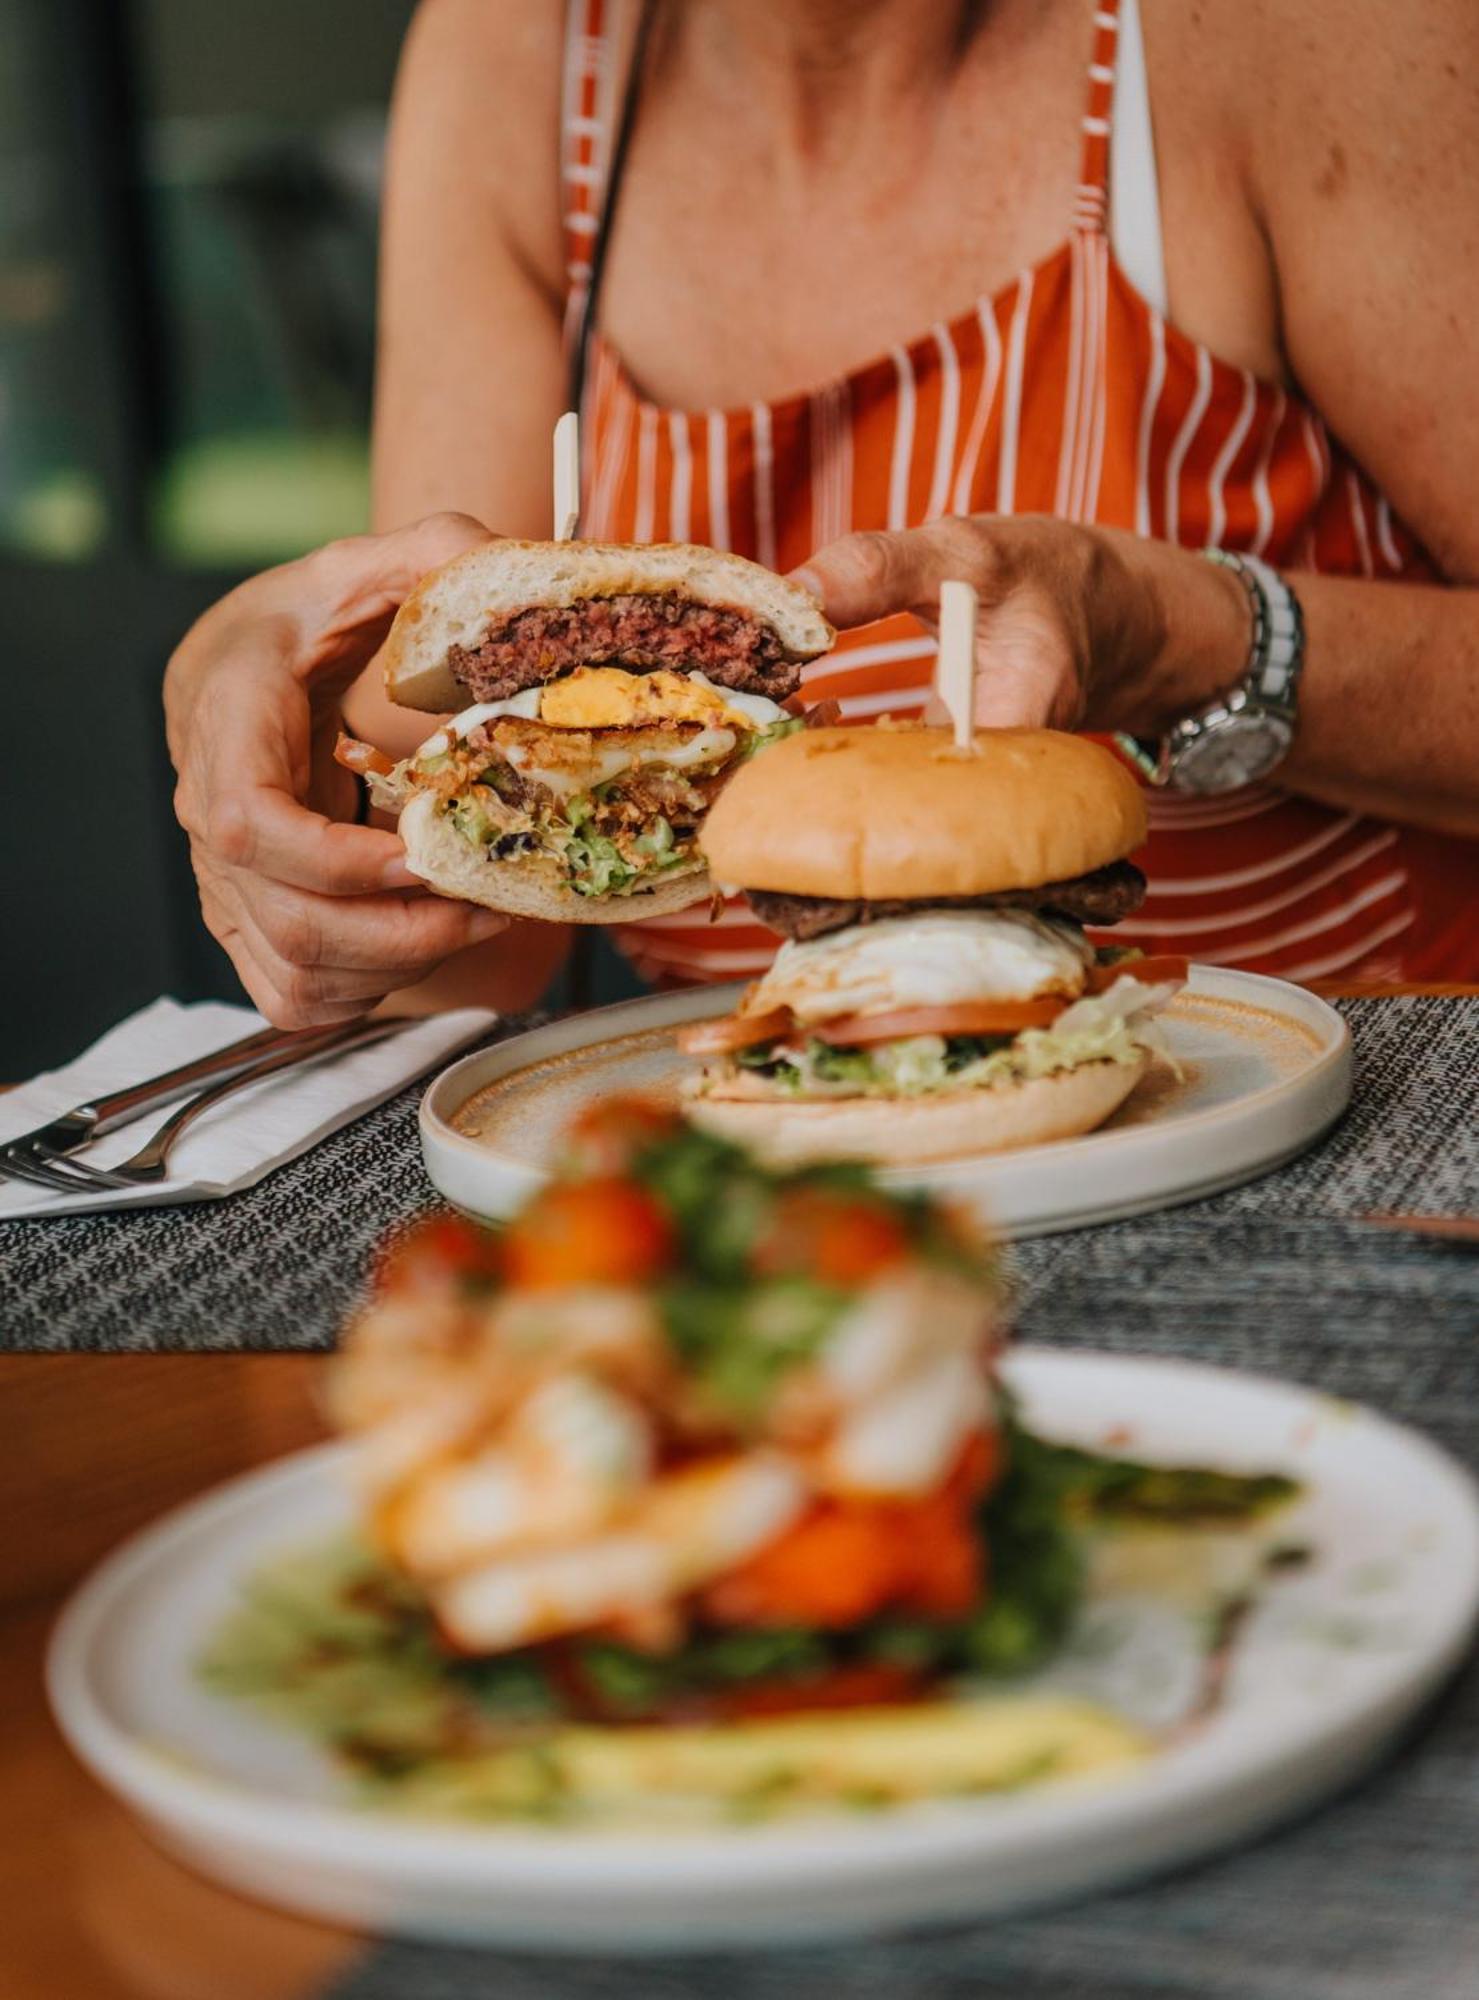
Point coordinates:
pixel 480 82
pixel 1317 64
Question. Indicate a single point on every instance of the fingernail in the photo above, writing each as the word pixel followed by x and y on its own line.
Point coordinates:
pixel 808 580
pixel 486 924
pixel 396 875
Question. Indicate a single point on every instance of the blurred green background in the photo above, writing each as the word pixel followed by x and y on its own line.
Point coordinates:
pixel 188 207
pixel 220 165
pixel 188 203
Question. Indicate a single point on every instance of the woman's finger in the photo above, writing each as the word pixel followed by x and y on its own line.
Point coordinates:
pixel 1013 701
pixel 286 1000
pixel 356 586
pixel 262 830
pixel 300 994
pixel 872 575
pixel 397 937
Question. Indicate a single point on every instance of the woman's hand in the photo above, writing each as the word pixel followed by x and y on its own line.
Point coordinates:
pixel 1080 627
pixel 320 917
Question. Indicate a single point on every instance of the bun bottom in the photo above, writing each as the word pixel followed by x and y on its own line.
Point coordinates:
pixel 530 886
pixel 911 1131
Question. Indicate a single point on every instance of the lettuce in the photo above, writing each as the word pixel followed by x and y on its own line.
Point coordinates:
pixel 752 740
pixel 593 862
pixel 470 815
pixel 923 1063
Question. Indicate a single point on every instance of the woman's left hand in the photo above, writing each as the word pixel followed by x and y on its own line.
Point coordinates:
pixel 1080 627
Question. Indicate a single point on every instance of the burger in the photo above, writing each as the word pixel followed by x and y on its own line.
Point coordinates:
pixel 604 694
pixel 936 994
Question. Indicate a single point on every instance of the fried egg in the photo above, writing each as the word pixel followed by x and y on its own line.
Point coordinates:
pixel 612 698
pixel 937 959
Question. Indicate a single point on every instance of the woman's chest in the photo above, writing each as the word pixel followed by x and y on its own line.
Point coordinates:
pixel 740 270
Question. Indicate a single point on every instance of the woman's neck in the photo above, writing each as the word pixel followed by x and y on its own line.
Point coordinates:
pixel 820 62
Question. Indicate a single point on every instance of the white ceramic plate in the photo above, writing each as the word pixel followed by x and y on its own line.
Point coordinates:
pixel 1266 1069
pixel 1328 1669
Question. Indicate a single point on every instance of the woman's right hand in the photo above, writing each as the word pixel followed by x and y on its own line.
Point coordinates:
pixel 320 916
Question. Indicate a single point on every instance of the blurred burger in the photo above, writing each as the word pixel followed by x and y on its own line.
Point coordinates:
pixel 936 994
pixel 613 691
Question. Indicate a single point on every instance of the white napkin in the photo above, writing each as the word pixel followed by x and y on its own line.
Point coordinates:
pixel 235 1143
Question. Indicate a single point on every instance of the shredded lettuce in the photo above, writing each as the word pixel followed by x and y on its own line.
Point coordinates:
pixel 593 863
pixel 752 740
pixel 470 815
pixel 1087 1032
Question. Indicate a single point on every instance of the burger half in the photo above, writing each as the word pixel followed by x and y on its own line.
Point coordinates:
pixel 936 994
pixel 612 692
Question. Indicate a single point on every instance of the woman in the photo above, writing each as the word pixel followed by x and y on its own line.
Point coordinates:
pixel 1164 344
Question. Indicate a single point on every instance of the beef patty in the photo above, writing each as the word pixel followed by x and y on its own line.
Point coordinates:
pixel 637 629
pixel 1101 897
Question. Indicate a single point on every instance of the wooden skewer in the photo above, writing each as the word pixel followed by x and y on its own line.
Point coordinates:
pixel 1453 1228
pixel 955 664
pixel 567 476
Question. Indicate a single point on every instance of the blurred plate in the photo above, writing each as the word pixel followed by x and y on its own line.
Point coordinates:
pixel 1266 1068
pixel 1327 1670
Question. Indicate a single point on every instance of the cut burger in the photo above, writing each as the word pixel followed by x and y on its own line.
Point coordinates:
pixel 604 695
pixel 935 994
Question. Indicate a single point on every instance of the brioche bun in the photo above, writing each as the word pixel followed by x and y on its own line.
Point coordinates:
pixel 456 604
pixel 886 812
pixel 911 1131
pixel 531 885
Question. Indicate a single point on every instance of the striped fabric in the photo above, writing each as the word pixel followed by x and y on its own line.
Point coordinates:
pixel 1066 393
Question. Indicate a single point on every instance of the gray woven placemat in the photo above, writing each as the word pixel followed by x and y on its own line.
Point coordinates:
pixel 278 1265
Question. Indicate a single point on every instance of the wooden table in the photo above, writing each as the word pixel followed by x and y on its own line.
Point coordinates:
pixel 96 1447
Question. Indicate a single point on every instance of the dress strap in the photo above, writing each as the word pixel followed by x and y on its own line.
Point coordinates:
pixel 586 112
pixel 602 186
pixel 1091 206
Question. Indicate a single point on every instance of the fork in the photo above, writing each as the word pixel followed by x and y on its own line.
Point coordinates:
pixel 46 1166
pixel 20 1160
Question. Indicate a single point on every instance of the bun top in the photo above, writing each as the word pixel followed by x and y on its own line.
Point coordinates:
pixel 456 604
pixel 887 812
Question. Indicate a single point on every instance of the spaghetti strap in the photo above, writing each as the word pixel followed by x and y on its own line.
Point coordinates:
pixel 594 189
pixel 585 132
pixel 1091 205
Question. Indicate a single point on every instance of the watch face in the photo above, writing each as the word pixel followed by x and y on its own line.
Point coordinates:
pixel 1231 751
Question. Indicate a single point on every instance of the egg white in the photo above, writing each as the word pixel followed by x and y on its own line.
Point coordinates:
pixel 937 959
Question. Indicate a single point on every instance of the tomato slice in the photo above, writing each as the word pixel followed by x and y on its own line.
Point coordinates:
pixel 436 1254
pixel 847 1559
pixel 839 1239
pixel 734 1031
pixel 823 714
pixel 966 1017
pixel 602 1231
pixel 361 757
pixel 613 1132
pixel 1160 970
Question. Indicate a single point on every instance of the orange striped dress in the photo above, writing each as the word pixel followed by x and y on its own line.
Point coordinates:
pixel 1066 393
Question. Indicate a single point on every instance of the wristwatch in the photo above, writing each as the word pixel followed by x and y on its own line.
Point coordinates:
pixel 1246 734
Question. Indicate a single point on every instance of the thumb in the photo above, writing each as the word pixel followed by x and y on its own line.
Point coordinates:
pixel 871 575
pixel 356 586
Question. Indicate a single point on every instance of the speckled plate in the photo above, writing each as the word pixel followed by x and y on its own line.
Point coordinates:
pixel 1266 1069
pixel 1328 1669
